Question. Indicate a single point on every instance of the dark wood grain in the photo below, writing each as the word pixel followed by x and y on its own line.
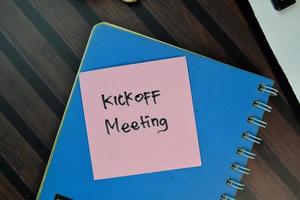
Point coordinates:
pixel 118 13
pixel 14 146
pixel 26 103
pixel 237 29
pixel 35 50
pixel 7 190
pixel 42 42
pixel 268 187
pixel 199 40
pixel 73 29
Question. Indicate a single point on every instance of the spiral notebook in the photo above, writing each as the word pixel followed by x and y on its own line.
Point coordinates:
pixel 205 118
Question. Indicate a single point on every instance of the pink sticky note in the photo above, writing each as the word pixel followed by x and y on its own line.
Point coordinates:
pixel 139 118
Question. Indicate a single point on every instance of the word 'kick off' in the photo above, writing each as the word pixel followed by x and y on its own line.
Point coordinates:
pixel 130 99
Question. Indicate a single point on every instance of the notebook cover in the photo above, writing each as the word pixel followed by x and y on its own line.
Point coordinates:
pixel 222 99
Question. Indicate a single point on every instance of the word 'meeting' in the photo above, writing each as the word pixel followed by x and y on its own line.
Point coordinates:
pixel 143 123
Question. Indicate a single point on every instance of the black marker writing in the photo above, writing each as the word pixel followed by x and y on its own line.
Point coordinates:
pixel 128 98
pixel 143 123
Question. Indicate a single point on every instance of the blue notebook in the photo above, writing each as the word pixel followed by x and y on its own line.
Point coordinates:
pixel 228 105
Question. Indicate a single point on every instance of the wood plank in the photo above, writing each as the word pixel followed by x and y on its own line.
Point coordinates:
pixel 238 30
pixel 27 103
pixel 36 50
pixel 66 21
pixel 20 155
pixel 7 191
pixel 283 139
pixel 264 183
pixel 185 28
pixel 119 13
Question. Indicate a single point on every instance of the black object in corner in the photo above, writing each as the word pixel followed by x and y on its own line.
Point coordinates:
pixel 282 4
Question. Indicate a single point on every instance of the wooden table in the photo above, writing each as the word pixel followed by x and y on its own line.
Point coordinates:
pixel 42 42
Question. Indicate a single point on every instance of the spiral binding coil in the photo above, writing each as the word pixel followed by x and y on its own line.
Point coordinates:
pixel 261 105
pixel 226 197
pixel 240 168
pixel 264 88
pixel 247 136
pixel 251 138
